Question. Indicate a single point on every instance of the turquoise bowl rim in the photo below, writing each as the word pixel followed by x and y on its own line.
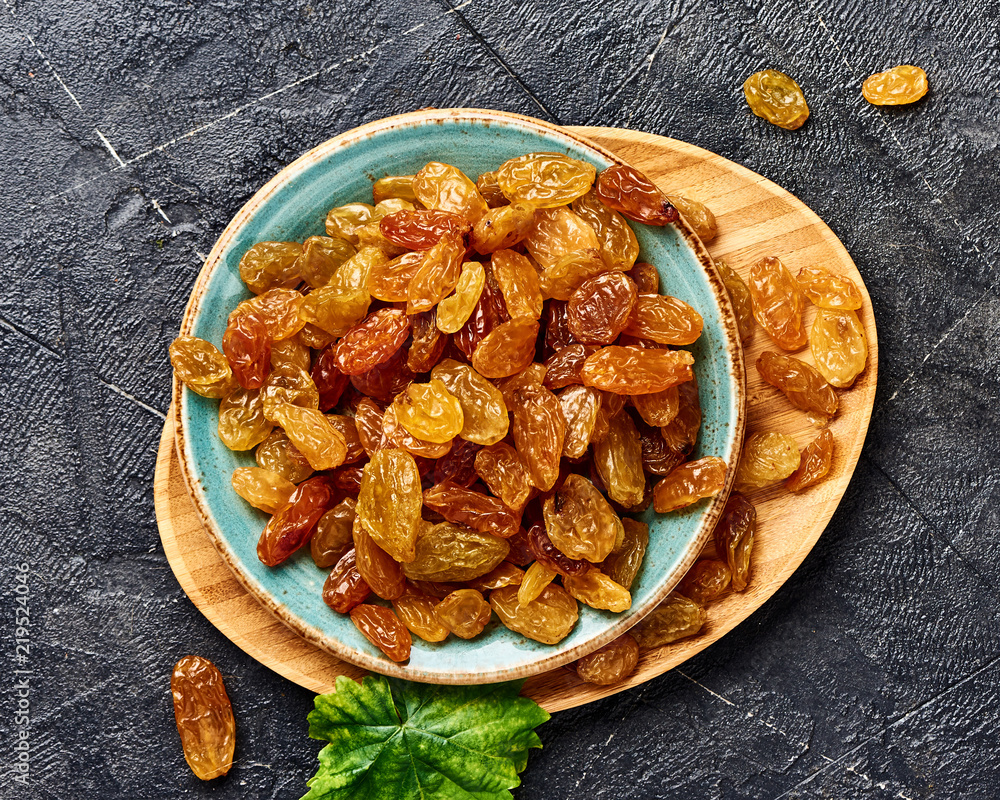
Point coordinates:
pixel 537 658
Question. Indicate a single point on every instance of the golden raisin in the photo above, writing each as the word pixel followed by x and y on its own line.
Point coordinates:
pixel 895 87
pixel 774 96
pixel 814 464
pixel 204 717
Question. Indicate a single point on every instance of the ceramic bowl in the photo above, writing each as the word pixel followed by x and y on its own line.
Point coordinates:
pixel 292 206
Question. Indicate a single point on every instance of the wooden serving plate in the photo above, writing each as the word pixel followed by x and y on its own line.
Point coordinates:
pixel 756 218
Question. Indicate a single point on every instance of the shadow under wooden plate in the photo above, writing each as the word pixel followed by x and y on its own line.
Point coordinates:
pixel 756 218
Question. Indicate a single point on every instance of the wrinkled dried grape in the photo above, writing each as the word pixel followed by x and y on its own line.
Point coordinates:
pixel 618 459
pixel 839 346
pixel 545 180
pixel 767 458
pixel 242 424
pixel 478 511
pixel 428 343
pixel 697 215
pixel 201 367
pixel 489 312
pixel 505 574
pixel 372 341
pixel 658 457
pixel 507 349
pixel 826 290
pixel 597 590
pixel 536 578
pixel 619 248
pixel 610 664
pixel 558 232
pixel 484 413
pixel 291 384
pixel 599 310
pixel 563 368
pixel 421 229
pixel 539 430
pixel 330 381
pixel 443 187
pixel 333 536
pixel 334 309
pixel 801 383
pixel 397 436
pixel 277 454
pixel 312 434
pixel 416 611
pixel 505 474
pixel 344 222
pixel 385 381
pixel 895 87
pixel 774 96
pixel 565 275
pixel 629 192
pixel 204 717
pixel 344 589
pixel 580 407
pixel 740 296
pixel 706 581
pixel 778 303
pixel 379 569
pixel 518 284
pixel 390 501
pixel 689 483
pixel 675 618
pixel 429 411
pixel 390 280
pixel 449 552
pixel 580 522
pixel 503 227
pixel 623 565
pixel 548 618
pixel 293 523
pixel 270 265
pixel 636 370
pixel 384 630
pixel 490 190
pixel 666 320
pixel 293 352
pixel 437 275
pixel 247 345
pixel 458 464
pixel 321 257
pixel 734 538
pixel 814 463
pixel 393 186
pixel 646 277
pixel 660 408
pixel 454 310
pixel 464 612
pixel 262 488
pixel 682 432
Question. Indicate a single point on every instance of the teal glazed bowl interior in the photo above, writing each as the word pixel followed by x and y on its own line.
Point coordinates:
pixel 293 206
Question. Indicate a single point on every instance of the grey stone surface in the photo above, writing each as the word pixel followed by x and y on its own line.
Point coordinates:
pixel 131 133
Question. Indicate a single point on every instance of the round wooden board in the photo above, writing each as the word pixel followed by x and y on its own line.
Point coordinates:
pixel 756 218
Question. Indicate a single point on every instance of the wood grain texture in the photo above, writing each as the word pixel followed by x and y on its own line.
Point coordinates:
pixel 756 218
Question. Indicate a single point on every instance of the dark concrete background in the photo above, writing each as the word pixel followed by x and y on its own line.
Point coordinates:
pixel 129 135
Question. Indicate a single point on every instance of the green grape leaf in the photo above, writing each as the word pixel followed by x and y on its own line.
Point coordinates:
pixel 396 740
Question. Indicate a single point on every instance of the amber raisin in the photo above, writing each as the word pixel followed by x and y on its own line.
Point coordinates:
pixel 384 630
pixel 774 96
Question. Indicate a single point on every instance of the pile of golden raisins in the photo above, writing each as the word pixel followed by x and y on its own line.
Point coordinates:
pixel 460 393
